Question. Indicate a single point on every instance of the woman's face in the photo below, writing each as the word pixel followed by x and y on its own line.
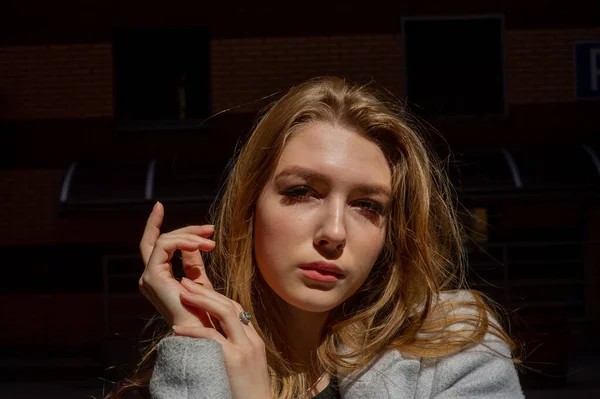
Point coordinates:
pixel 320 221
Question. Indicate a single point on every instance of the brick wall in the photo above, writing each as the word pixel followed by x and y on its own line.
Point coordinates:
pixel 75 81
pixel 56 81
pixel 80 320
pixel 29 214
pixel 540 64
pixel 244 70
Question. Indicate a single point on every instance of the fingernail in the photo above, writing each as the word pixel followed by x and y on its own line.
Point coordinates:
pixel 185 280
pixel 155 206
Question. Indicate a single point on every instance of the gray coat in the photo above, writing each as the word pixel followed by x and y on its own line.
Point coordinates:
pixel 190 368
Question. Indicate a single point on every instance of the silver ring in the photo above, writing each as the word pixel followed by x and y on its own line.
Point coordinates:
pixel 245 317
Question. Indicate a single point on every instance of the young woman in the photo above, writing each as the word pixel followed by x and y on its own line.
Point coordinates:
pixel 335 269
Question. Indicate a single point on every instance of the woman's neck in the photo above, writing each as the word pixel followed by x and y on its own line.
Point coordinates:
pixel 303 329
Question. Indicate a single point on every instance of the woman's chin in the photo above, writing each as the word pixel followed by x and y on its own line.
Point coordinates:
pixel 315 302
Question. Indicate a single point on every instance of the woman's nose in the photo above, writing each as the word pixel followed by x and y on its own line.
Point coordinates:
pixel 330 235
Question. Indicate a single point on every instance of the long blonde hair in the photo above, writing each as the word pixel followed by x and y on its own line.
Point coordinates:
pixel 398 306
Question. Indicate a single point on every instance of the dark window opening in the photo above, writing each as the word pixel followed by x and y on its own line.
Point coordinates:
pixel 454 67
pixel 161 74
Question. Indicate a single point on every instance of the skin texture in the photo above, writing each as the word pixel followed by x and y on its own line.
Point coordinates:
pixel 338 217
pixel 332 217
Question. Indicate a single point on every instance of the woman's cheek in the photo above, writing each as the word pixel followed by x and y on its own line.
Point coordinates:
pixel 277 226
pixel 274 229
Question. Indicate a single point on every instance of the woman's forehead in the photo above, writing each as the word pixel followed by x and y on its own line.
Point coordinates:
pixel 334 152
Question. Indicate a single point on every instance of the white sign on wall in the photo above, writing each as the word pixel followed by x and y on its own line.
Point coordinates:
pixel 587 69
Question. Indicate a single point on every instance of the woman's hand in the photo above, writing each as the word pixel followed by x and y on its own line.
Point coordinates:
pixel 195 309
pixel 158 284
pixel 243 349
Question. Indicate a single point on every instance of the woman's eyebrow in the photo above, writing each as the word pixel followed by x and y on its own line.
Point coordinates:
pixel 374 190
pixel 304 173
pixel 311 175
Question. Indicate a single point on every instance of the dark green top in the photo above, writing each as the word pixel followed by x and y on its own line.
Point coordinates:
pixel 331 391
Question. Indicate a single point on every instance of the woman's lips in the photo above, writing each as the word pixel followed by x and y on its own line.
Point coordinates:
pixel 324 272
pixel 320 275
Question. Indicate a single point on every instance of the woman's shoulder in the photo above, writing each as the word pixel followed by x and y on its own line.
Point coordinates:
pixel 483 369
pixel 461 308
pixel 456 297
pixel 480 371
pixel 459 295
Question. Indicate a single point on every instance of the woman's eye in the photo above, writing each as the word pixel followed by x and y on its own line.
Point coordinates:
pixel 371 207
pixel 297 194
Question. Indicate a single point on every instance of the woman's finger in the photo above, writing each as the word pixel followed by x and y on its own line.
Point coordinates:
pixel 191 237
pixel 227 314
pixel 151 231
pixel 205 231
pixel 195 287
pixel 164 249
pixel 193 267
pixel 200 332
pixel 201 289
pixel 192 263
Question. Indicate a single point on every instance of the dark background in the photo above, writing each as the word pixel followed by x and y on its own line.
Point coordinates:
pixel 106 107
